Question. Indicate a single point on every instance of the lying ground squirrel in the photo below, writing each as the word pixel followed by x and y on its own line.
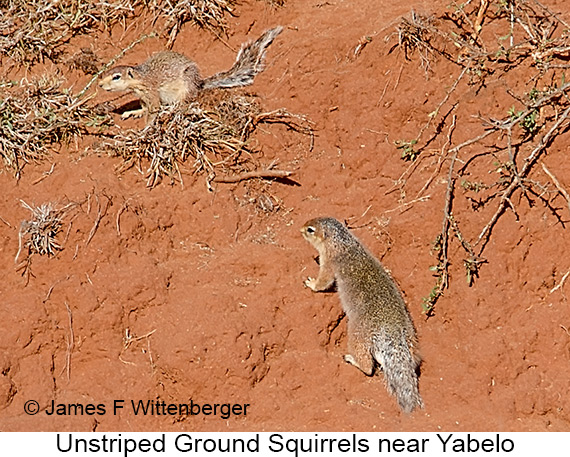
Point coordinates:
pixel 168 77
pixel 380 328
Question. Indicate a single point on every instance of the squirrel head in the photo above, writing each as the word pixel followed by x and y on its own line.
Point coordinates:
pixel 118 78
pixel 325 229
pixel 326 233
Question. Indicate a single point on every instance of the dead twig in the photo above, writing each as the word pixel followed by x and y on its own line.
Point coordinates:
pixel 561 283
pixel 442 241
pixel 44 175
pixel 128 340
pixel 561 189
pixel 529 162
pixel 70 343
pixel 118 219
pixel 266 174
pixel 362 43
pixel 101 213
pixel 480 16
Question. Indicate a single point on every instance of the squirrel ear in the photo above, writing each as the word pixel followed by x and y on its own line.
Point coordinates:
pixel 130 73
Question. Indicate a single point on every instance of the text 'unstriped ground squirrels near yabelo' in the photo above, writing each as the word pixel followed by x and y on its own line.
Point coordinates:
pixel 380 329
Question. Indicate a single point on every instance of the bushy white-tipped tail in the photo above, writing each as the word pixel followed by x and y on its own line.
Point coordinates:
pixel 399 366
pixel 249 62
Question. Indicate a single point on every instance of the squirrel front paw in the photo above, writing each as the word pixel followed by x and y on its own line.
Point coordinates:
pixel 311 283
pixel 349 359
pixel 133 113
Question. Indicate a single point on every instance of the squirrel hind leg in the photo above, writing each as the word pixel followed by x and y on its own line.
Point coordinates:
pixel 365 363
pixel 359 353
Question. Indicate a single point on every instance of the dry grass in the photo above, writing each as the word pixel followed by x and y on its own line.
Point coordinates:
pixel 208 14
pixel 37 115
pixel 213 133
pixel 413 36
pixel 32 30
pixel 39 234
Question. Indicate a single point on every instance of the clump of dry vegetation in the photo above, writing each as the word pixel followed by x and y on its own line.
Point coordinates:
pixel 504 40
pixel 214 133
pixel 39 234
pixel 32 30
pixel 37 115
pixel 208 14
pixel 41 230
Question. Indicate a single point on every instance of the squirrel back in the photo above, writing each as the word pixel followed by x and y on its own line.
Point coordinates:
pixel 249 62
pixel 380 329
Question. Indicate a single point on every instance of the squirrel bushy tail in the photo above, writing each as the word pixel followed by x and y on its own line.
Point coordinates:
pixel 399 367
pixel 249 62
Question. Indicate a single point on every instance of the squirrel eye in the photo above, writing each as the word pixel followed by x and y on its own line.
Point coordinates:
pixel 116 76
pixel 310 229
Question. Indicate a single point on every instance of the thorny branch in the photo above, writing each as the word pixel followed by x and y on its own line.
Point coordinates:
pixel 461 37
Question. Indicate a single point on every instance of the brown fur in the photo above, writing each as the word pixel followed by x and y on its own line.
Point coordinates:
pixel 380 329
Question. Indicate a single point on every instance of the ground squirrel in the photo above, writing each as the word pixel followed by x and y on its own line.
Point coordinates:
pixel 168 77
pixel 380 328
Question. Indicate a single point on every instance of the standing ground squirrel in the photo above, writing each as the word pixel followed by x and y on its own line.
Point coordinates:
pixel 380 328
pixel 168 77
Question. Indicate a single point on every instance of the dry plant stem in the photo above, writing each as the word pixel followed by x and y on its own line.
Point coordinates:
pixel 351 221
pixel 480 16
pixel 268 174
pixel 407 205
pixel 529 162
pixel 70 343
pixel 401 181
pixel 441 158
pixel 561 283
pixel 20 246
pixel 121 211
pixel 101 213
pixel 471 141
pixel 511 122
pixel 447 214
pixel 128 340
pixel 44 175
pixel 555 16
pixel 152 364
pixel 435 112
pixel 408 172
pixel 506 125
pixel 512 159
pixel 561 189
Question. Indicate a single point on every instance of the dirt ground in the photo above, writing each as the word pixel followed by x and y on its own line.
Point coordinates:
pixel 184 294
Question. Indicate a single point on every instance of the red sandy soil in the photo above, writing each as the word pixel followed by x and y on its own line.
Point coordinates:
pixel 209 287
